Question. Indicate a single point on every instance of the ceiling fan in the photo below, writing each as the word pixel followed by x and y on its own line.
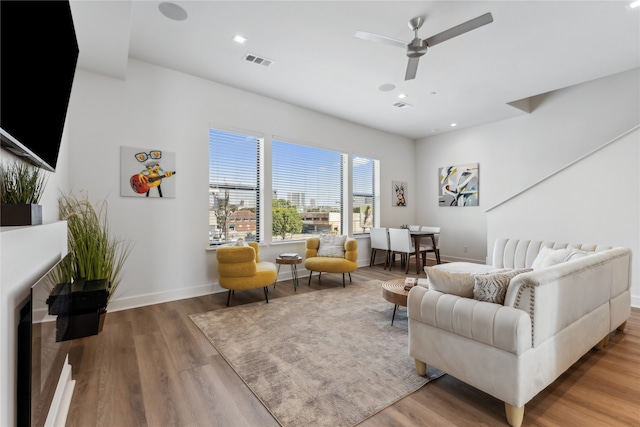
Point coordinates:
pixel 417 47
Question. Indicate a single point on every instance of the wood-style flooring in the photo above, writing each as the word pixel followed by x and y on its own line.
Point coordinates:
pixel 151 366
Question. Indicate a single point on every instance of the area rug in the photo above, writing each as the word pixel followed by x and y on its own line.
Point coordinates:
pixel 322 358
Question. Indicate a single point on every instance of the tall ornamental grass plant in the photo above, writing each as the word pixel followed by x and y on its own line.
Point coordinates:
pixel 97 254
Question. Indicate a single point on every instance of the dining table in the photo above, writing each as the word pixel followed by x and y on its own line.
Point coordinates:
pixel 417 235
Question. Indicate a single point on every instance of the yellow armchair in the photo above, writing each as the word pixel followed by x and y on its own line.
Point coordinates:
pixel 331 254
pixel 240 268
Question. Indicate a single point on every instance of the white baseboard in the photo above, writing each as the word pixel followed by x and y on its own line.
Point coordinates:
pixel 160 297
pixel 447 258
pixel 61 401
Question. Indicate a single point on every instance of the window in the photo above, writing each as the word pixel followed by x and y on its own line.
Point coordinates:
pixel 307 189
pixel 366 187
pixel 234 186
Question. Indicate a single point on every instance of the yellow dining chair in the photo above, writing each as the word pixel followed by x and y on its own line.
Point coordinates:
pixel 240 268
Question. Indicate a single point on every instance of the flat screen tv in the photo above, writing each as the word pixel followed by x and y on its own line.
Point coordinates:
pixel 38 56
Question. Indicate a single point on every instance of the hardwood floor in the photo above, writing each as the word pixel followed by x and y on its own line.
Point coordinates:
pixel 151 366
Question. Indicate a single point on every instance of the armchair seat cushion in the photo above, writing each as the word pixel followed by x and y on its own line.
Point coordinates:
pixel 264 275
pixel 330 264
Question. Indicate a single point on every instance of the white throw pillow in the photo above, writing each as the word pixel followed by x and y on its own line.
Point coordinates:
pixel 449 282
pixel 548 256
pixel 332 246
pixel 240 242
pixel 578 253
pixel 492 287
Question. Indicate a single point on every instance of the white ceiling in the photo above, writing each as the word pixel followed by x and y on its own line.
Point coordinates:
pixel 532 47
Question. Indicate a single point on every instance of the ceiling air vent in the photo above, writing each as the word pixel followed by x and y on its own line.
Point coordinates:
pixel 401 105
pixel 250 57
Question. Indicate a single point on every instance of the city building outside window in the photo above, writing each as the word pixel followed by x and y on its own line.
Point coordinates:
pixel 307 185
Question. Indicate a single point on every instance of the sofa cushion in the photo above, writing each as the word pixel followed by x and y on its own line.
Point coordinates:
pixel 332 246
pixel 548 257
pixel 492 287
pixel 450 282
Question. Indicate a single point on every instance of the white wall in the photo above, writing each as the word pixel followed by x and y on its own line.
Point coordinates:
pixel 595 201
pixel 516 153
pixel 160 108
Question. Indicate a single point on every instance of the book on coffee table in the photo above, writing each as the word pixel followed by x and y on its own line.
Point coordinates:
pixel 288 255
pixel 410 282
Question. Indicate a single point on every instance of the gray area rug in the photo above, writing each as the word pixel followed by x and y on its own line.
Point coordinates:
pixel 322 358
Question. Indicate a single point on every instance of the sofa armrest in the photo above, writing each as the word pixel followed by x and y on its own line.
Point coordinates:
pixel 506 328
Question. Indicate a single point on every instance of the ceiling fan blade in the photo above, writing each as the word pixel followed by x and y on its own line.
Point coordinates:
pixel 460 29
pixel 380 39
pixel 412 68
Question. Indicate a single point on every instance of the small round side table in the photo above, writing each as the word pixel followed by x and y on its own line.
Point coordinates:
pixel 394 292
pixel 293 262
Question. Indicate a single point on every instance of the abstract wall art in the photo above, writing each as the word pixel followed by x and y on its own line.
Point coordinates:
pixel 458 185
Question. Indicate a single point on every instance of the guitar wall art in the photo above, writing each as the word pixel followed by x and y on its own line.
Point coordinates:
pixel 147 172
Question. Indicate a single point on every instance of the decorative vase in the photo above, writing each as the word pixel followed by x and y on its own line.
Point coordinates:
pixel 20 214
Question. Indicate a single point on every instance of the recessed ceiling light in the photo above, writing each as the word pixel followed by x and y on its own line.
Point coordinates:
pixel 453 125
pixel 434 93
pixel 402 96
pixel 239 39
pixel 386 87
pixel 635 4
pixel 173 11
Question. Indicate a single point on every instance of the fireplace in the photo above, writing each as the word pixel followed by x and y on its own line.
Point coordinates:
pixel 26 255
pixel 44 373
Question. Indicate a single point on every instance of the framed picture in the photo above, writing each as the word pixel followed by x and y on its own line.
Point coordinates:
pixel 366 216
pixel 458 185
pixel 398 191
pixel 147 172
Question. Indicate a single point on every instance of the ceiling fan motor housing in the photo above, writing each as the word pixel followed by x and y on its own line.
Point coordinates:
pixel 416 48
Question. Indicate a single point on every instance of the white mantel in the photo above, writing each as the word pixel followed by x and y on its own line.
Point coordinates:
pixel 26 253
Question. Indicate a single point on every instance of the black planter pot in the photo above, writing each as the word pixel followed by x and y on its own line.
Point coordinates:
pixel 20 214
pixel 80 306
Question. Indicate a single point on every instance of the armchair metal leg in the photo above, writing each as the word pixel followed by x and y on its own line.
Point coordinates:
pixel 349 277
pixel 310 273
pixel 265 294
pixel 228 297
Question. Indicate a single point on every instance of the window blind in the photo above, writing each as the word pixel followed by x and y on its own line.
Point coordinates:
pixel 234 190
pixel 365 200
pixel 306 181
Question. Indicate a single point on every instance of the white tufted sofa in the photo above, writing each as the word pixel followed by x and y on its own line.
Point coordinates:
pixel 550 318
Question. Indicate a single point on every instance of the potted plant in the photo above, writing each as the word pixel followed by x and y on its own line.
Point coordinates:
pixel 97 255
pixel 21 188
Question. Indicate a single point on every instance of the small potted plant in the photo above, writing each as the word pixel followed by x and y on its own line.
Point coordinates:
pixel 21 188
